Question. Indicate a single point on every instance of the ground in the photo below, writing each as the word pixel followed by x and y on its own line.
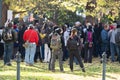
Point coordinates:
pixel 40 71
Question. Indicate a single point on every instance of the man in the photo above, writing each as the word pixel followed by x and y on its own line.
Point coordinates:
pixel 55 45
pixel 21 41
pixel 1 44
pixel 30 36
pixel 9 36
pixel 113 46
pixel 117 41
pixel 105 40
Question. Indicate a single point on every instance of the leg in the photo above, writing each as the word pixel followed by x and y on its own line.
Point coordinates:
pixel 42 51
pixel 22 51
pixel 53 58
pixel 71 60
pixel 86 53
pixel 60 56
pixel 112 48
pixel 118 52
pixel 27 54
pixel 5 53
pixel 79 60
pixel 45 53
pixel 90 55
pixel 32 52
pixel 49 55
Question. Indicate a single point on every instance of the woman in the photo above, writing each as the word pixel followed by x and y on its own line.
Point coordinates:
pixel 73 45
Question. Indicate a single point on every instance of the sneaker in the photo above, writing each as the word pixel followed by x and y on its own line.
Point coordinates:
pixel 30 64
pixel 62 71
pixel 26 64
pixel 44 61
pixel 71 70
pixel 83 70
pixel 53 70
pixel 9 64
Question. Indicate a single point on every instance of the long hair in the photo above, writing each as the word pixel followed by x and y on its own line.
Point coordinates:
pixel 73 32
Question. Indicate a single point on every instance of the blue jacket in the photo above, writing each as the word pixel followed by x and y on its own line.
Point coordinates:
pixel 104 36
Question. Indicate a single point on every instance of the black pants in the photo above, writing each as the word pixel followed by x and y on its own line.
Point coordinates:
pixel 1 50
pixel 65 53
pixel 75 53
pixel 22 51
pixel 37 54
pixel 88 54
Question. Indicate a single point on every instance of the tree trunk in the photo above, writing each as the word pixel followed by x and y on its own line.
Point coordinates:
pixel 5 7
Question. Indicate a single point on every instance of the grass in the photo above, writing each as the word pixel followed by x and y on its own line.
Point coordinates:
pixel 40 71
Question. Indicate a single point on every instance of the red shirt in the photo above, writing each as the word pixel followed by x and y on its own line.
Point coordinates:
pixel 31 35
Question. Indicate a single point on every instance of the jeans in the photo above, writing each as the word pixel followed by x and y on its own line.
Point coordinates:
pixel 8 50
pixel 30 53
pixel 97 49
pixel 113 49
pixel 118 52
pixel 105 48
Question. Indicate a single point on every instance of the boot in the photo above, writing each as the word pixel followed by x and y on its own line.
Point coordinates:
pixel 83 69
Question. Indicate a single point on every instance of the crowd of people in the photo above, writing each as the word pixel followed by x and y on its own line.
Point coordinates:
pixel 48 41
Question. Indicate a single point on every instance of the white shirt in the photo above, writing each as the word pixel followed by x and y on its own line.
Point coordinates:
pixel 66 37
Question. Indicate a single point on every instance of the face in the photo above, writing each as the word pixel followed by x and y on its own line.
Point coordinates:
pixel 114 27
pixel 106 27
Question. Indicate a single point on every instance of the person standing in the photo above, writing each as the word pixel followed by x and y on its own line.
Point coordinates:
pixel 9 36
pixel 56 46
pixel 89 45
pixel 30 36
pixel 105 40
pixel 113 46
pixel 117 41
pixel 73 45
pixel 21 49
pixel 1 44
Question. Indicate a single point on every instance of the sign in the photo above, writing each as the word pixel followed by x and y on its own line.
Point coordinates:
pixel 10 15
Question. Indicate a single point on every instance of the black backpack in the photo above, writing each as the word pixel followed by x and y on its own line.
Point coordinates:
pixel 117 37
pixel 72 44
pixel 8 35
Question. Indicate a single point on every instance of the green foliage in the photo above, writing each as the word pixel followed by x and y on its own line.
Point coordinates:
pixel 64 10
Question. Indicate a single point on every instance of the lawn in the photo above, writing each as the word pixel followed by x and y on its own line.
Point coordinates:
pixel 40 71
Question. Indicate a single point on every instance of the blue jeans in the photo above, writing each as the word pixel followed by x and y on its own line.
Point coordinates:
pixel 104 48
pixel 118 52
pixel 113 49
pixel 30 53
pixel 8 50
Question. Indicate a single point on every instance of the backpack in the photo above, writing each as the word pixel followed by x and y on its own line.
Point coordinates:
pixel 55 43
pixel 7 35
pixel 90 36
pixel 117 38
pixel 72 44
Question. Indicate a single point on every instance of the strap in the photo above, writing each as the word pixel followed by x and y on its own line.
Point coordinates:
pixel 30 36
